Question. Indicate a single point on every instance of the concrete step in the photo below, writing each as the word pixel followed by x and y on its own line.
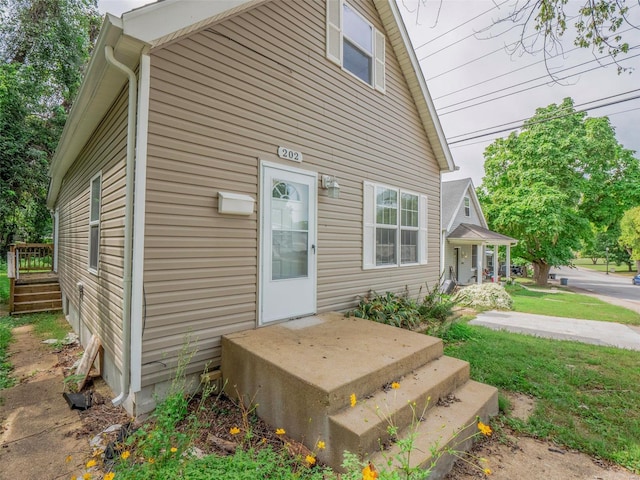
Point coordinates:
pixel 450 425
pixel 363 428
pixel 301 374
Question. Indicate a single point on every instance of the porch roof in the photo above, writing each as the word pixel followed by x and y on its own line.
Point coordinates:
pixel 475 234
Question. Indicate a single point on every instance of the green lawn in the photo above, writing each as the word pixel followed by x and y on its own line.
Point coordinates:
pixel 587 397
pixel 571 305
pixel 601 266
pixel 4 283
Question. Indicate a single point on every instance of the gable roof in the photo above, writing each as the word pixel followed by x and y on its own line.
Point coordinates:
pixel 156 24
pixel 453 193
pixel 469 233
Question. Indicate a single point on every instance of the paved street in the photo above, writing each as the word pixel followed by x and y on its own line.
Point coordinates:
pixel 612 288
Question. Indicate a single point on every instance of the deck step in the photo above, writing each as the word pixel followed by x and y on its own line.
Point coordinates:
pixel 48 286
pixel 36 295
pixel 447 426
pixel 37 306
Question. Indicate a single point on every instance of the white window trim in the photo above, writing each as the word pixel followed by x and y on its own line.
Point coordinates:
pixel 93 223
pixel 335 38
pixel 370 225
pixel 467 206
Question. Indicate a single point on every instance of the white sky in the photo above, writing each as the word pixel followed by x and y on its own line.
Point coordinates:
pixel 443 47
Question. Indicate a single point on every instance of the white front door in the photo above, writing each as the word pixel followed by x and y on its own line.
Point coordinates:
pixel 288 260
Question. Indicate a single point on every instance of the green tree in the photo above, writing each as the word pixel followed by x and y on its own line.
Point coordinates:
pixel 596 24
pixel 536 184
pixel 630 234
pixel 44 46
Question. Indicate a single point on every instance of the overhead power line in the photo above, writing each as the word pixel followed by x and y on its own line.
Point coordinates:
pixel 527 66
pixel 461 25
pixel 528 88
pixel 546 76
pixel 514 124
pixel 517 127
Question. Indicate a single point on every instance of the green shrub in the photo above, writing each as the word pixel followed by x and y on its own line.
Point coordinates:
pixel 401 311
pixel 483 297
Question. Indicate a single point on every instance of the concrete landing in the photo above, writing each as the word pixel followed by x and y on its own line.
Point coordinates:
pixel 302 374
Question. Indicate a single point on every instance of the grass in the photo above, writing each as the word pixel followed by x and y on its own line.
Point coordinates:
pixel 571 305
pixel 587 396
pixel 601 266
pixel 4 283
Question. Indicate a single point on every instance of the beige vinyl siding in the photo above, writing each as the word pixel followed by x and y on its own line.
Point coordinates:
pixel 224 99
pixel 101 309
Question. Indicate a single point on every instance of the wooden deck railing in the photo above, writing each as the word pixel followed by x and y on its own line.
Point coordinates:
pixel 25 259
pixel 29 258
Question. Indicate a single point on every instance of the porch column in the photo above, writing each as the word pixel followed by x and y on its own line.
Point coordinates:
pixel 508 270
pixel 496 264
pixel 480 265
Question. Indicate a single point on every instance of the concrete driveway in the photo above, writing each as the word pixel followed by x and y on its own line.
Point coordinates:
pixel 586 331
pixel 611 288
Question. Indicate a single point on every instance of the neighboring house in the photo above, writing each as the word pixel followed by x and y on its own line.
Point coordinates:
pixel 465 237
pixel 228 165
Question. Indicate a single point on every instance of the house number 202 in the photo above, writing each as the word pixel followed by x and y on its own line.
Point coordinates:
pixel 288 154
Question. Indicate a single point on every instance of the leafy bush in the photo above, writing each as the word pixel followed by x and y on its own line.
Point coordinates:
pixel 401 311
pixel 485 296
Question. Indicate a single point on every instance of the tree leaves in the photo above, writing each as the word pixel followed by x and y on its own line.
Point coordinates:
pixel 44 45
pixel 547 185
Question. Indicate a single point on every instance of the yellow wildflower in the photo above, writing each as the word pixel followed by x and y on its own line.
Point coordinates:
pixel 321 445
pixel 174 449
pixel 280 431
pixel 395 385
pixel 487 471
pixel 484 429
pixel 86 476
pixel 310 459
pixel 74 478
pixel 353 399
pixel 369 472
pixel 234 431
pixel 91 463
pixel 126 454
pixel 152 460
pixel 68 459
pixel 109 476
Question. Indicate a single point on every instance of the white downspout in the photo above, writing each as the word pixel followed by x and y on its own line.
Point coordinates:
pixel 128 224
pixel 137 288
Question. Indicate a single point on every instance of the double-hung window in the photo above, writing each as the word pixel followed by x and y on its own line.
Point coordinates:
pixel 395 227
pixel 354 44
pixel 467 207
pixel 94 222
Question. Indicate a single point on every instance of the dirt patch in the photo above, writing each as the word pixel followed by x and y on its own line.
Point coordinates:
pixel 521 406
pixel 510 456
pixel 37 428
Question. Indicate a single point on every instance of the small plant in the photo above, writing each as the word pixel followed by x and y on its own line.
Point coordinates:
pixel 401 311
pixel 485 296
pixel 398 465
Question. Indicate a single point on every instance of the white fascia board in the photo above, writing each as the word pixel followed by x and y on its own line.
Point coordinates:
pixel 426 108
pixel 476 202
pixel 167 20
pixel 98 91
